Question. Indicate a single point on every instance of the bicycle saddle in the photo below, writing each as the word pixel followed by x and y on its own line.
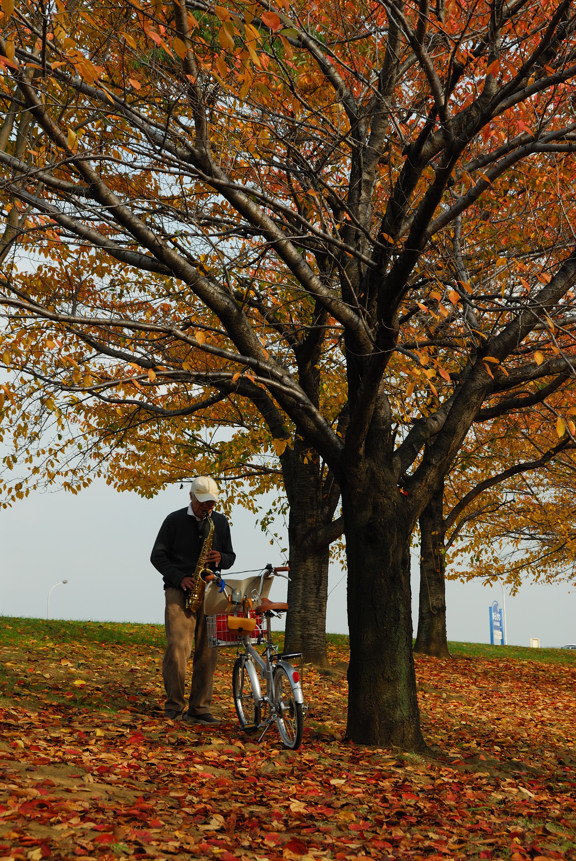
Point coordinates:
pixel 266 604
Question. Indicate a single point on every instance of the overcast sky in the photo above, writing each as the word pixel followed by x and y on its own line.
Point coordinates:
pixel 100 541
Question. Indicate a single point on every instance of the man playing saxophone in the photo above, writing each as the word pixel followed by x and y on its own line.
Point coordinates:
pixel 192 543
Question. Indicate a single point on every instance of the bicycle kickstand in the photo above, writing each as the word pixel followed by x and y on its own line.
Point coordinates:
pixel 265 730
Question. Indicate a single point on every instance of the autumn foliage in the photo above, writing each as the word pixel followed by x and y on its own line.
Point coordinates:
pixel 346 226
pixel 90 769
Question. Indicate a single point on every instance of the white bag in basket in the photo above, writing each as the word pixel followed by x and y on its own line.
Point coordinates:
pixel 216 602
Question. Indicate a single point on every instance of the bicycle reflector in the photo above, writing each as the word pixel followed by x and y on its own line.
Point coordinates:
pixel 295 676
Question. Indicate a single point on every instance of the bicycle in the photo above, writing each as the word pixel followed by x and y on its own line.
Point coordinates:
pixel 267 687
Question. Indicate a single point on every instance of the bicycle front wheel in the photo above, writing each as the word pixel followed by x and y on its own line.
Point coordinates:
pixel 289 713
pixel 245 702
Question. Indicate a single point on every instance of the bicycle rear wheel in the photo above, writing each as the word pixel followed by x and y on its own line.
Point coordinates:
pixel 245 702
pixel 289 713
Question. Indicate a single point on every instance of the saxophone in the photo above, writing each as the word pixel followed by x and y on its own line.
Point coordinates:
pixel 195 595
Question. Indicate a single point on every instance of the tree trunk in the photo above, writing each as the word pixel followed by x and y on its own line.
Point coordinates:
pixel 311 512
pixel 307 595
pixel 382 702
pixel 432 638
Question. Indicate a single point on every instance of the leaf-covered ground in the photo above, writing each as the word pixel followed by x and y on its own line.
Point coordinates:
pixel 89 768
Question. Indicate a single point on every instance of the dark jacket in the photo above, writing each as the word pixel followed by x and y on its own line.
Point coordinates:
pixel 177 547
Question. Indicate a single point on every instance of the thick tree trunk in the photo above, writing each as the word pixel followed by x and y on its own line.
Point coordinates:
pixel 382 701
pixel 431 638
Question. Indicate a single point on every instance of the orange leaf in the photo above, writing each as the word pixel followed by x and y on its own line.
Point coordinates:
pixel 272 20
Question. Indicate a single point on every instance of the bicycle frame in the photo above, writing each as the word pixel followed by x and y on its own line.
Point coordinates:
pixel 282 699
pixel 266 664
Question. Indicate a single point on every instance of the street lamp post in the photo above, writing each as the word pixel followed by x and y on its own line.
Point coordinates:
pixel 505 637
pixel 60 583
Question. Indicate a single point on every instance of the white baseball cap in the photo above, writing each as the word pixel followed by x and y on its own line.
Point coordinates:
pixel 204 489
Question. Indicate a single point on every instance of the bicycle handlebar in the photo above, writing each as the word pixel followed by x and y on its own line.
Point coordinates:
pixel 275 570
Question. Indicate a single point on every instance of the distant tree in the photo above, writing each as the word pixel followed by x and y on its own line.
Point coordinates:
pixel 507 514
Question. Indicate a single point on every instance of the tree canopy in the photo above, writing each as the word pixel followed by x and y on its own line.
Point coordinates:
pixel 377 195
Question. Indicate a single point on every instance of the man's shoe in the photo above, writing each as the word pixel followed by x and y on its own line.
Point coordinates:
pixel 172 715
pixel 206 718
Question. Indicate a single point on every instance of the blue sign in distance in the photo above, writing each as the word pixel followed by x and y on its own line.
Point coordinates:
pixel 496 624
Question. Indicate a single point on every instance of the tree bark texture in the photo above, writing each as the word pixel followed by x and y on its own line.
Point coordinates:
pixel 382 702
pixel 431 638
pixel 311 511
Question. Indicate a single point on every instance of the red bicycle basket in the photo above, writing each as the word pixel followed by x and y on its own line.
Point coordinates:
pixel 220 635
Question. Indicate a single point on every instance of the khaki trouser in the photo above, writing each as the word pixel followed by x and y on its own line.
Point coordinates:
pixel 182 629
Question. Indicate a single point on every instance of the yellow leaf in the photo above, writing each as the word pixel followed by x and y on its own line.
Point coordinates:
pixel 72 139
pixel 222 13
pixel 236 377
pixel 225 36
pixel 200 337
pixel 492 360
pixel 572 428
pixel 253 55
pixel 78 683
pixel 10 49
pixel 252 34
pixel 129 40
pixel 221 67
pixel 180 47
pixel 538 357
pixel 280 446
pixel 560 427
pixel 8 8
pixel 151 375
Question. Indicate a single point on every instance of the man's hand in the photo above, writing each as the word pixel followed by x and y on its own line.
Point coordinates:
pixel 213 557
pixel 187 583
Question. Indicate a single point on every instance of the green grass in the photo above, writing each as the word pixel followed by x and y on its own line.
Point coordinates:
pixel 512 653
pixel 45 631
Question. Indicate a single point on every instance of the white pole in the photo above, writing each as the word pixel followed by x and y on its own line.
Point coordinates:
pixel 506 639
pixel 61 583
